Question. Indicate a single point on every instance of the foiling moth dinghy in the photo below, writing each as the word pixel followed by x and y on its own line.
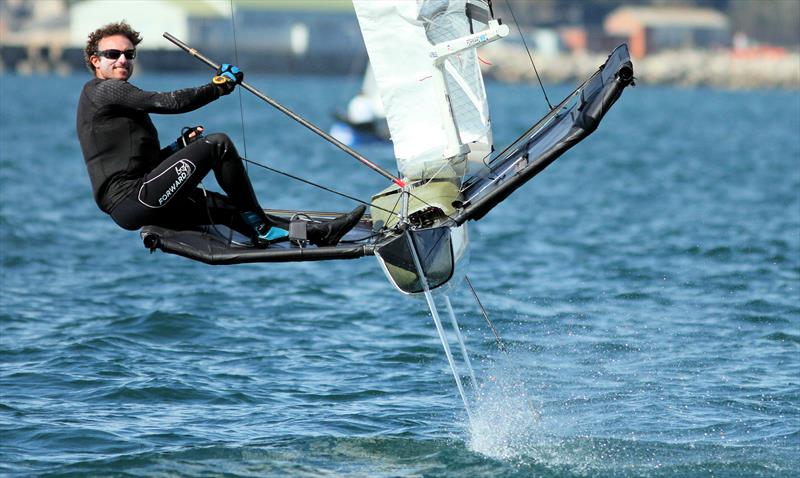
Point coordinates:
pixel 424 59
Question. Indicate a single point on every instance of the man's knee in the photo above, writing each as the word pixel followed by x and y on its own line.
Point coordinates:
pixel 223 146
pixel 220 139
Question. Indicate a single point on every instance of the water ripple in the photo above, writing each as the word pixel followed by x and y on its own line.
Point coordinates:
pixel 645 286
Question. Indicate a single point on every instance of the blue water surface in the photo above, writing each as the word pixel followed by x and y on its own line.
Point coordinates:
pixel 647 286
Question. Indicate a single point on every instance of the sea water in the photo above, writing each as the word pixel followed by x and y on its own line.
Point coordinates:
pixel 646 286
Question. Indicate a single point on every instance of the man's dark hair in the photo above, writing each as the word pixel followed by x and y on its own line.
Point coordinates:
pixel 121 28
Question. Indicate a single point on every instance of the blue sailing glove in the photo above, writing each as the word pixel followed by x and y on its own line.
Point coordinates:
pixel 228 76
pixel 189 134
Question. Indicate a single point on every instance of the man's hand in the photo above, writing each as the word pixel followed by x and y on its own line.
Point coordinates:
pixel 228 76
pixel 188 135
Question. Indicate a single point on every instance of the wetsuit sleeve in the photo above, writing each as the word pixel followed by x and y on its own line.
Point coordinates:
pixel 122 93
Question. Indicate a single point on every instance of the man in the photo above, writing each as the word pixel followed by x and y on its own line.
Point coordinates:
pixel 139 183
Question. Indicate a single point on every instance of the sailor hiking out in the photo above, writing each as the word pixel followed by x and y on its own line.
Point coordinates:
pixel 139 183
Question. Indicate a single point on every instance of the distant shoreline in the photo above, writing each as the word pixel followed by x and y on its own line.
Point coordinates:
pixel 717 69
pixel 691 68
pixel 30 61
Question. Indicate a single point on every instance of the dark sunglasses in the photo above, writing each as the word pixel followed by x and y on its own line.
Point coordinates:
pixel 113 54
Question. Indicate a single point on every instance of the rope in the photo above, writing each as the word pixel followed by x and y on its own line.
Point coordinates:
pixel 236 59
pixel 525 44
pixel 316 185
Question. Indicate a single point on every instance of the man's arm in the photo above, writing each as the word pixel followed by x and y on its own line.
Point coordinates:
pixel 122 93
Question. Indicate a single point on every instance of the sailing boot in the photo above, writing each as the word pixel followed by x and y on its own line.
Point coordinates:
pixel 329 233
pixel 265 233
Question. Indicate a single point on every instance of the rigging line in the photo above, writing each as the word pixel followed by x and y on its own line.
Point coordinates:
pixel 236 59
pixel 445 163
pixel 210 218
pixel 213 225
pixel 352 71
pixel 500 343
pixel 530 133
pixel 314 128
pixel 396 205
pixel 316 185
pixel 525 44
pixel 430 205
pixel 361 239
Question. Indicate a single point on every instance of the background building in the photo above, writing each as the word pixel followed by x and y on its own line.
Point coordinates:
pixel 650 30
pixel 151 19
pixel 737 43
pixel 278 36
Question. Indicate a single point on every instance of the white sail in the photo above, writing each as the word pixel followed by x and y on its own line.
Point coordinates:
pixel 369 88
pixel 366 106
pixel 423 56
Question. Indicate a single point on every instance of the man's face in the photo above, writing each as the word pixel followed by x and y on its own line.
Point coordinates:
pixel 108 69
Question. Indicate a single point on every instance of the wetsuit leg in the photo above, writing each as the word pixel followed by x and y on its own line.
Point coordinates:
pixel 191 164
pixel 231 175
pixel 205 208
pixel 216 209
pixel 168 194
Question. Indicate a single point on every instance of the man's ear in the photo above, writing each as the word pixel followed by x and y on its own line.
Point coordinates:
pixel 95 60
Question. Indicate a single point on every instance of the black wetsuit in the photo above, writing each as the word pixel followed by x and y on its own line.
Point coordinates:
pixel 138 183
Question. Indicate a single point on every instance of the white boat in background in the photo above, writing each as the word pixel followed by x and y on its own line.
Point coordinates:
pixel 364 121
